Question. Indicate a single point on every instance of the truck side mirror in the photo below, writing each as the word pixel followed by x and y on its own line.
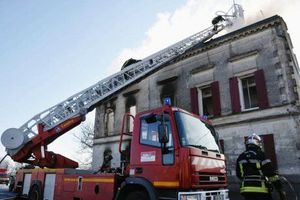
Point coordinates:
pixel 163 133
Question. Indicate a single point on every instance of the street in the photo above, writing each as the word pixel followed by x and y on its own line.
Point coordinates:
pixel 4 193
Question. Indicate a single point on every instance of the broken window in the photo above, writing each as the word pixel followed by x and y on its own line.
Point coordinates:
pixel 167 94
pixel 131 109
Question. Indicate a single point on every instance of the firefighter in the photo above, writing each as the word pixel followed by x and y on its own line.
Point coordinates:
pixel 217 20
pixel 256 172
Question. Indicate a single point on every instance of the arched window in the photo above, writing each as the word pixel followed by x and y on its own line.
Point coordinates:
pixel 109 121
pixel 130 108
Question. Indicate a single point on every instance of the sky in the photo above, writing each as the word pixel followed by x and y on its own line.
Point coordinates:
pixel 50 50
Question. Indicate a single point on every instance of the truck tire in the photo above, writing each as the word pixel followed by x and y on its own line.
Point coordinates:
pixel 35 193
pixel 137 195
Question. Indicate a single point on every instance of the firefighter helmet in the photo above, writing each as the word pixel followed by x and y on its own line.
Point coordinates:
pixel 254 139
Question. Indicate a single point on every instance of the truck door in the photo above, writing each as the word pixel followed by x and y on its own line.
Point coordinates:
pixel 153 160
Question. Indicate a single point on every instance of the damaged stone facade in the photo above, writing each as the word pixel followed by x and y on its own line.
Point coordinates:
pixel 245 82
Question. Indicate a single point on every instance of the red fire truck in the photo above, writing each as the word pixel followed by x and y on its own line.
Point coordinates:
pixel 171 154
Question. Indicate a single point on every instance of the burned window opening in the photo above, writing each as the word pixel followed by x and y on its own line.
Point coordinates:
pixel 168 91
pixel 131 109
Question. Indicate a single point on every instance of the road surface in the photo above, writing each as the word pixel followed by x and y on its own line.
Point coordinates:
pixel 4 193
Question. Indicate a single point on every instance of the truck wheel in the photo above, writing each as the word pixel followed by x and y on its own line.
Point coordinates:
pixel 137 195
pixel 35 193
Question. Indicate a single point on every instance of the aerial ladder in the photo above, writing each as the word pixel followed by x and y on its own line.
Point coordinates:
pixel 28 144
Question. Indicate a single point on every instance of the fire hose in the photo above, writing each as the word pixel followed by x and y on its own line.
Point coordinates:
pixel 282 194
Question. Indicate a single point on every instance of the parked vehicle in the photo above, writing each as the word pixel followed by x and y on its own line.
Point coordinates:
pixel 4 177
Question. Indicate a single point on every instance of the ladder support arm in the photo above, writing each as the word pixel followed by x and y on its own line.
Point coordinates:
pixel 35 152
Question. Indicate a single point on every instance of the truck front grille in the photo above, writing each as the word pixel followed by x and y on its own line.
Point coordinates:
pixel 209 179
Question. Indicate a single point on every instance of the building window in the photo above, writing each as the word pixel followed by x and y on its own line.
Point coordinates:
pixel 248 93
pixel 132 111
pixel 167 96
pixel 205 100
pixel 109 121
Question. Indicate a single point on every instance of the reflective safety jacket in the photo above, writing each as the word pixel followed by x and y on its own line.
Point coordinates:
pixel 255 171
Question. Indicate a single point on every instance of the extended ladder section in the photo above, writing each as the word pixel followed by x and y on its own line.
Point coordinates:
pixel 80 103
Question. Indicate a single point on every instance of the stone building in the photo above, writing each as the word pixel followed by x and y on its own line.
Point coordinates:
pixel 246 81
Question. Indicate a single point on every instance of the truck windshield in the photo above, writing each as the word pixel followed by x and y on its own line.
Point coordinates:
pixel 193 132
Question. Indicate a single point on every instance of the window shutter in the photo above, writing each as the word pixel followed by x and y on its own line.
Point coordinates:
pixel 261 89
pixel 269 148
pixel 216 98
pixel 221 142
pixel 234 93
pixel 194 101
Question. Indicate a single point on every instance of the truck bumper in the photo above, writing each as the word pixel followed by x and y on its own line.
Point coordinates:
pixel 204 195
pixel 4 181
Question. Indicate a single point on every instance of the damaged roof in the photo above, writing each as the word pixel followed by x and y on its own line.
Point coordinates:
pixel 232 36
